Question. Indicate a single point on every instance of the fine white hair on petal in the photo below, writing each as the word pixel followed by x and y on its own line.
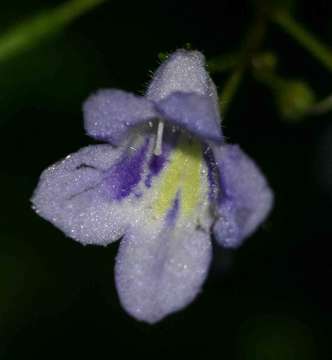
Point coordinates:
pixel 110 113
pixel 70 194
pixel 160 267
pixel 159 270
pixel 182 71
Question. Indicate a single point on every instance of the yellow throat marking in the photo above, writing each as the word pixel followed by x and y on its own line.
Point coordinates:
pixel 183 174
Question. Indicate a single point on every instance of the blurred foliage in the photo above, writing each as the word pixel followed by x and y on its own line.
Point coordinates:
pixel 28 33
pixel 294 99
pixel 284 5
pixel 275 337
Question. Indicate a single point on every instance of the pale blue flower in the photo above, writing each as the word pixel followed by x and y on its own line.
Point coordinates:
pixel 164 183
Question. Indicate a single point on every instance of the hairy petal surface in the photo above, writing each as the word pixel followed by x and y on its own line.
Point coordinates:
pixel 193 112
pixel 246 198
pixel 84 197
pixel 182 71
pixel 163 259
pixel 160 269
pixel 110 114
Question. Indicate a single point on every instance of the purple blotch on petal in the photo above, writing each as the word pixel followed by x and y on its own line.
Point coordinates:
pixel 156 164
pixel 122 178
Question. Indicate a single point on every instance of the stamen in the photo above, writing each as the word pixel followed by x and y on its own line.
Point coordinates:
pixel 159 139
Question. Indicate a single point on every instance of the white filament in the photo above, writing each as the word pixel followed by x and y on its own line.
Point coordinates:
pixel 159 139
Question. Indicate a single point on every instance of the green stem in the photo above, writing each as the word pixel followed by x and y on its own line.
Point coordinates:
pixel 32 31
pixel 229 89
pixel 321 107
pixel 271 79
pixel 223 63
pixel 305 38
pixel 254 40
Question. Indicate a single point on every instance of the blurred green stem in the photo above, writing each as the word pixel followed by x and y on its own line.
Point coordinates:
pixel 321 107
pixel 223 62
pixel 305 38
pixel 230 88
pixel 254 40
pixel 271 79
pixel 32 31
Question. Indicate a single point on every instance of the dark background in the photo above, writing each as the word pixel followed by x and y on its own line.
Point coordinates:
pixel 268 300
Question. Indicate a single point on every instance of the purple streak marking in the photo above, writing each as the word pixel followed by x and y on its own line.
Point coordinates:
pixel 213 175
pixel 173 211
pixel 122 177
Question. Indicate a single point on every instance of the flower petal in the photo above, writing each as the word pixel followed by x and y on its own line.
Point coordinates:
pixel 246 197
pixel 193 112
pixel 160 269
pixel 182 71
pixel 83 195
pixel 181 93
pixel 109 114
pixel 164 257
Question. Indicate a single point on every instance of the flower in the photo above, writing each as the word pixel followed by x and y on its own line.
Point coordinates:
pixel 164 183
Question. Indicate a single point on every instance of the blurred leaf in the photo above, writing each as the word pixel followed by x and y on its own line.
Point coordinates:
pixel 31 32
pixel 285 5
pixel 275 337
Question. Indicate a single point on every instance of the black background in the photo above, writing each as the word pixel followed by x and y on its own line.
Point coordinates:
pixel 268 300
